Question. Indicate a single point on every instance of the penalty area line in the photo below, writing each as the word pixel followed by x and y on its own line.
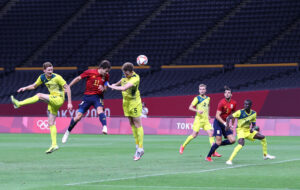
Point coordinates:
pixel 174 173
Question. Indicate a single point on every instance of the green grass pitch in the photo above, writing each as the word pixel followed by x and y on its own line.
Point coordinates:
pixel 106 162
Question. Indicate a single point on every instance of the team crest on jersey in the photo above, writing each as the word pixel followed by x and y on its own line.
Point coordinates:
pixel 94 76
pixel 231 105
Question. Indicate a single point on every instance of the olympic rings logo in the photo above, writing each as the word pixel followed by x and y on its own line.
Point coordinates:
pixel 42 124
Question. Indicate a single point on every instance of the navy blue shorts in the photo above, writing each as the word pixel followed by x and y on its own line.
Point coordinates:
pixel 88 101
pixel 219 129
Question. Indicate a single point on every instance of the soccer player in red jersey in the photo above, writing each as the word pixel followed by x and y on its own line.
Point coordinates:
pixel 96 84
pixel 225 107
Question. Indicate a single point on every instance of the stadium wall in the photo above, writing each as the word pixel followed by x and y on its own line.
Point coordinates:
pixel 152 126
pixel 277 103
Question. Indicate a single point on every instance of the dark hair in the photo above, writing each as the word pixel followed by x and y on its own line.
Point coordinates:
pixel 47 64
pixel 248 101
pixel 105 64
pixel 227 88
pixel 127 67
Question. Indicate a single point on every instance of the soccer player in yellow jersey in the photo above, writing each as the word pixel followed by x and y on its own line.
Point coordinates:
pixel 200 105
pixel 57 87
pixel 132 104
pixel 246 129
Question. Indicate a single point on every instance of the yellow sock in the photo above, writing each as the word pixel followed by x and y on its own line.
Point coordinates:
pixel 235 151
pixel 53 134
pixel 264 146
pixel 211 140
pixel 30 100
pixel 188 140
pixel 140 132
pixel 134 133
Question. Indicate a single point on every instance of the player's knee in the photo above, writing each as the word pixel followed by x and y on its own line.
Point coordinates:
pixel 78 116
pixel 219 141
pixel 232 141
pixel 241 142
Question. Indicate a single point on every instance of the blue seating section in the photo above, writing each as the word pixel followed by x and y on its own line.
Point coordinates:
pixel 174 30
pixel 253 27
pixel 102 26
pixel 28 25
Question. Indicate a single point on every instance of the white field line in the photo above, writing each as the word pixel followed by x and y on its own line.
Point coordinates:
pixel 174 173
pixel 181 187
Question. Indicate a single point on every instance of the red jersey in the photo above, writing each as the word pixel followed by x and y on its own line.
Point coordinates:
pixel 93 81
pixel 226 108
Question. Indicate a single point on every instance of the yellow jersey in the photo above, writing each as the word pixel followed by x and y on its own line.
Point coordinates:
pixel 202 103
pixel 55 84
pixel 245 119
pixel 133 92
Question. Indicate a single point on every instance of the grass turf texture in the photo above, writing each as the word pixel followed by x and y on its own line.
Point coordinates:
pixel 106 162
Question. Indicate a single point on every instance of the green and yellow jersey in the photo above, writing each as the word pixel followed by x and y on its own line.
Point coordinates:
pixel 133 92
pixel 55 84
pixel 245 119
pixel 202 103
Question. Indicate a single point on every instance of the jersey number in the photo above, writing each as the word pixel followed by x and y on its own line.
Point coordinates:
pixel 96 83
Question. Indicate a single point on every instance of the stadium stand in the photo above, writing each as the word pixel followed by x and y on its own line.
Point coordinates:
pixel 236 32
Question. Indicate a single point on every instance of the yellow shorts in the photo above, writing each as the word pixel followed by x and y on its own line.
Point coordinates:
pixel 132 108
pixel 55 102
pixel 205 125
pixel 245 134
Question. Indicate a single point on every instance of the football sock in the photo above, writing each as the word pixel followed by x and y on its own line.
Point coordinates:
pixel 102 118
pixel 188 140
pixel 235 151
pixel 72 124
pixel 135 135
pixel 211 140
pixel 225 142
pixel 30 100
pixel 140 132
pixel 213 149
pixel 53 134
pixel 264 146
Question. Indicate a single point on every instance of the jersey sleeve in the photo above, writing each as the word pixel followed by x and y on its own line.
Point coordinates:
pixel 220 106
pixel 61 81
pixel 85 74
pixel 106 78
pixel 195 101
pixel 38 82
pixel 237 114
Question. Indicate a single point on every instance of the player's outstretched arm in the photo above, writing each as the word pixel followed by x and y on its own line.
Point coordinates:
pixel 29 87
pixel 68 91
pixel 121 88
pixel 74 81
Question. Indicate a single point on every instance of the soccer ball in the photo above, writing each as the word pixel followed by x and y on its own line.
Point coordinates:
pixel 142 60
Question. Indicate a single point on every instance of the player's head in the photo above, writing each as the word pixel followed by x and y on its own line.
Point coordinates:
pixel 127 69
pixel 248 104
pixel 227 92
pixel 202 89
pixel 48 68
pixel 104 67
